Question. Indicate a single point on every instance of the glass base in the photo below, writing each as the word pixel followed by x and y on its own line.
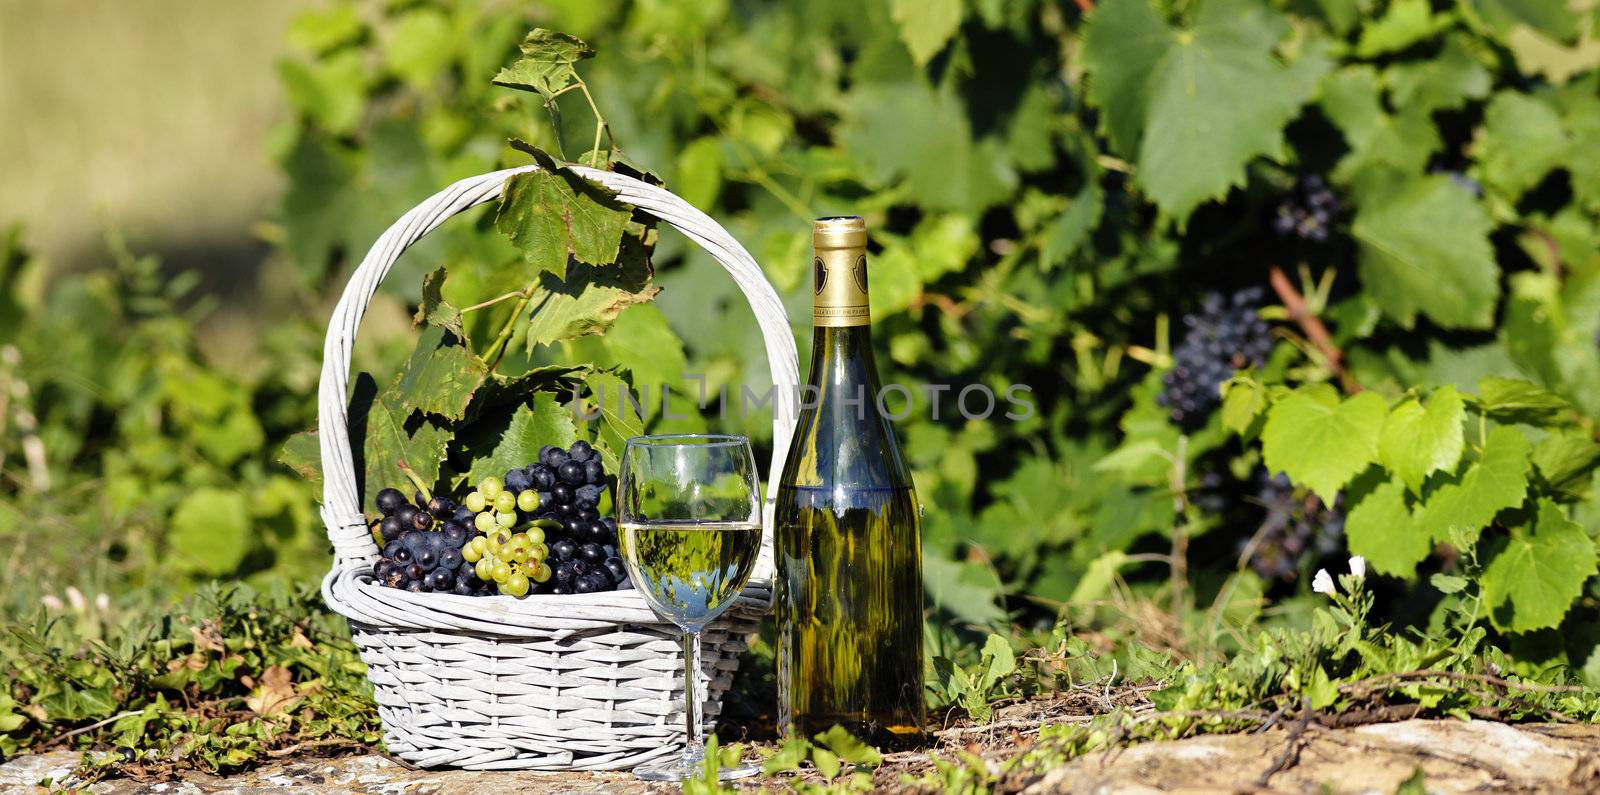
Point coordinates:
pixel 678 770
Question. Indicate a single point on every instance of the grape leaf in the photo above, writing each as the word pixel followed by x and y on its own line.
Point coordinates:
pixel 1538 53
pixel 1537 573
pixel 1445 82
pixel 908 130
pixel 1321 442
pixel 1352 98
pixel 966 590
pixel 547 63
pixel 1496 481
pixel 1522 140
pixel 1243 401
pixel 1200 101
pixel 434 310
pixel 319 30
pixel 1566 462
pixel 1516 400
pixel 210 531
pixel 1425 248
pixel 302 453
pixel 1505 16
pixel 1418 441
pixel 440 377
pixel 589 298
pixel 925 25
pixel 541 421
pixel 387 446
pixel 553 214
pixel 1380 528
pixel 420 46
pixel 1405 23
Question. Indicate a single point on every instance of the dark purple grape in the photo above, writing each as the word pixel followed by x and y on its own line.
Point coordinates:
pixel 461 589
pixel 383 569
pixel 1308 211
pixel 396 579
pixel 556 458
pixel 440 580
pixel 416 586
pixel 567 512
pixel 455 533
pixel 594 472
pixel 402 555
pixel 586 497
pixel 616 568
pixel 563 549
pixel 585 585
pixel 561 494
pixel 580 451
pixel 517 479
pixel 450 559
pixel 1228 334
pixel 421 520
pixel 591 553
pixel 589 515
pixel 441 507
pixel 389 501
pixel 544 454
pixel 543 477
pixel 572 473
pixel 561 590
pixel 415 571
pixel 391 527
pixel 464 515
pixel 407 513
pixel 427 558
pixel 563 572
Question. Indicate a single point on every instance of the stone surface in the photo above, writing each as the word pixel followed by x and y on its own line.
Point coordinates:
pixel 1455 756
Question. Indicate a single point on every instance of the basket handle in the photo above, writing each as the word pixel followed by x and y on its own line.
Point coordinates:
pixel 341 503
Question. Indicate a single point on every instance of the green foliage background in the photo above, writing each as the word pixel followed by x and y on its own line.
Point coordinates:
pixel 1049 188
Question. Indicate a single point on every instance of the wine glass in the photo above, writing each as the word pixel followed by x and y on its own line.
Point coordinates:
pixel 689 527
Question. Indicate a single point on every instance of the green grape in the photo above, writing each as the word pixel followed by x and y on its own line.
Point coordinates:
pixel 535 533
pixel 520 553
pixel 506 502
pixel 500 571
pixel 470 553
pixel 540 552
pixel 479 545
pixel 528 500
pixel 541 573
pixel 505 519
pixel 516 584
pixel 491 487
pixel 499 539
pixel 475 502
pixel 485 568
pixel 484 522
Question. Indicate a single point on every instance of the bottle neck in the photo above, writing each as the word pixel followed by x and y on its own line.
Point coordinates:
pixel 842 355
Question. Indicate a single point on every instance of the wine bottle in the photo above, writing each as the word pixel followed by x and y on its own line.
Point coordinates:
pixel 847 530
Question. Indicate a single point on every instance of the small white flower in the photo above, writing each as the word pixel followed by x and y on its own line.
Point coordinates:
pixel 75 598
pixel 102 601
pixel 1323 582
pixel 51 602
pixel 1358 567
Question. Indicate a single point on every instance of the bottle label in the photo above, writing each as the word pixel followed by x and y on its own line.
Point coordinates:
pixel 840 280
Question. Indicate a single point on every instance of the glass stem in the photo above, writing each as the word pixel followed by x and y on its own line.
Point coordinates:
pixel 694 749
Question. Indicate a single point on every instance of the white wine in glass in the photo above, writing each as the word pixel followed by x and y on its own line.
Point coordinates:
pixel 689 521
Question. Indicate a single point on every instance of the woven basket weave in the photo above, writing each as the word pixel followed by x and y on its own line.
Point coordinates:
pixel 571 682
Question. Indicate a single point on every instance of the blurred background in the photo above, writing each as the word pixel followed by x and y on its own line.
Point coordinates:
pixel 187 185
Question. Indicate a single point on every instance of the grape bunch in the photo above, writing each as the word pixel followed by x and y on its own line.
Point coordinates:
pixel 583 547
pixel 513 559
pixel 1293 527
pixel 1228 334
pixel 1307 211
pixel 422 545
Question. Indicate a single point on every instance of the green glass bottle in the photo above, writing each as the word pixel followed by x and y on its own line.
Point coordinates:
pixel 848 529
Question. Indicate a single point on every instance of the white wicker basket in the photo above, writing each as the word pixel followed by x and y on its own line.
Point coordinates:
pixel 573 682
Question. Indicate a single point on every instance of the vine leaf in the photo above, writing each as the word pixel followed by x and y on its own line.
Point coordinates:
pixel 547 63
pixel 1516 400
pixel 1419 440
pixel 1523 139
pixel 552 214
pixel 434 310
pixel 620 418
pixel 211 531
pixel 926 26
pixel 440 377
pixel 1380 528
pixel 1496 481
pixel 1195 104
pixel 390 447
pixel 1352 98
pixel 1538 571
pixel 1321 442
pixel 1425 248
pixel 539 422
pixel 588 298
